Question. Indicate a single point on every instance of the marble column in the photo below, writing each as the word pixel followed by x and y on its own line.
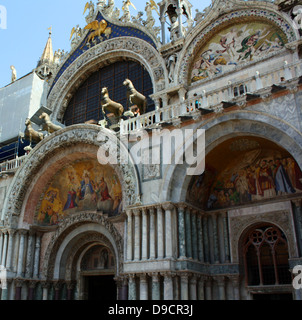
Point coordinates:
pixel 200 293
pixel 144 235
pixel 10 248
pixel 4 252
pixel 18 288
pixel 155 286
pixel 208 285
pixel 188 233
pixel 45 286
pixel 160 233
pixel 4 286
pixel 200 238
pixel 137 234
pixel 215 238
pixel 70 289
pixel 37 255
pixel 168 285
pixel 168 207
pixel 31 290
pixel 226 237
pixel 152 234
pixel 297 209
pixel 30 255
pixel 235 279
pixel 1 244
pixel 206 239
pixel 143 285
pixel 57 286
pixel 21 252
pixel 193 287
pixel 181 231
pixel 221 286
pixel 132 287
pixel 184 286
pixel 194 235
pixel 129 236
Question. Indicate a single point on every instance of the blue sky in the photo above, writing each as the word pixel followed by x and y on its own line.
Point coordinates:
pixel 23 42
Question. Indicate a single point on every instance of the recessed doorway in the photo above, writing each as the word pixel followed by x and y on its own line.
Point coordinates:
pixel 100 288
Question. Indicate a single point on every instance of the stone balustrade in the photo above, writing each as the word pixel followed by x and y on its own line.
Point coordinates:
pixel 213 100
pixel 12 165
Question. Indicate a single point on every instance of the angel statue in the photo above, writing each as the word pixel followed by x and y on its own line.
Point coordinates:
pixel 76 34
pixel 89 6
pixel 126 17
pixel 109 8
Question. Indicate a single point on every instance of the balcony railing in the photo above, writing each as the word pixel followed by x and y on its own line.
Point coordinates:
pixel 12 165
pixel 211 101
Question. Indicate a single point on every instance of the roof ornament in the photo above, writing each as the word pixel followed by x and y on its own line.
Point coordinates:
pixel 89 6
pixel 14 74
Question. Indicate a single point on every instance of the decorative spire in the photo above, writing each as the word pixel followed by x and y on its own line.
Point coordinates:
pixel 47 56
pixel 46 61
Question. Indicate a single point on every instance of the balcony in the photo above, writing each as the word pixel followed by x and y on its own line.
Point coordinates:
pixel 11 165
pixel 235 92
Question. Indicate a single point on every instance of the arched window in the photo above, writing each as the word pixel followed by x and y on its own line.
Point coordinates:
pixel 266 257
pixel 85 105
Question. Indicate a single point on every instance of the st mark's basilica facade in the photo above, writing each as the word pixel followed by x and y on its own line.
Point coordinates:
pixel 74 227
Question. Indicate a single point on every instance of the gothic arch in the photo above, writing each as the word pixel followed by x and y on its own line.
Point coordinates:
pixel 222 128
pixel 100 55
pixel 50 155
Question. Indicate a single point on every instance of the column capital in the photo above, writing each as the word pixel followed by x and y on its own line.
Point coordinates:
pixel 181 205
pixel 70 284
pixel 32 283
pixel 152 210
pixel 19 282
pixel 220 280
pixel 168 274
pixel 235 278
pixel 22 232
pixel 155 276
pixel 136 212
pixel 129 212
pixel 143 277
pixel 297 203
pixel 45 284
pixel 168 206
pixel 57 284
pixel 131 276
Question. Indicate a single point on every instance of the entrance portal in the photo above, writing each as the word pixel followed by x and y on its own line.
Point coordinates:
pixel 100 288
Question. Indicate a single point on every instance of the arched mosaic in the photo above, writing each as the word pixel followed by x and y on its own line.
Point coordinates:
pixel 234 45
pixel 80 186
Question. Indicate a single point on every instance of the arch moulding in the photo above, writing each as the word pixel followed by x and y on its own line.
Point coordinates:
pixel 56 144
pixel 101 55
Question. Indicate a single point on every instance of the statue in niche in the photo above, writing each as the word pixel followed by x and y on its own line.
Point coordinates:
pixel 134 97
pixel 171 63
pixel 174 29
